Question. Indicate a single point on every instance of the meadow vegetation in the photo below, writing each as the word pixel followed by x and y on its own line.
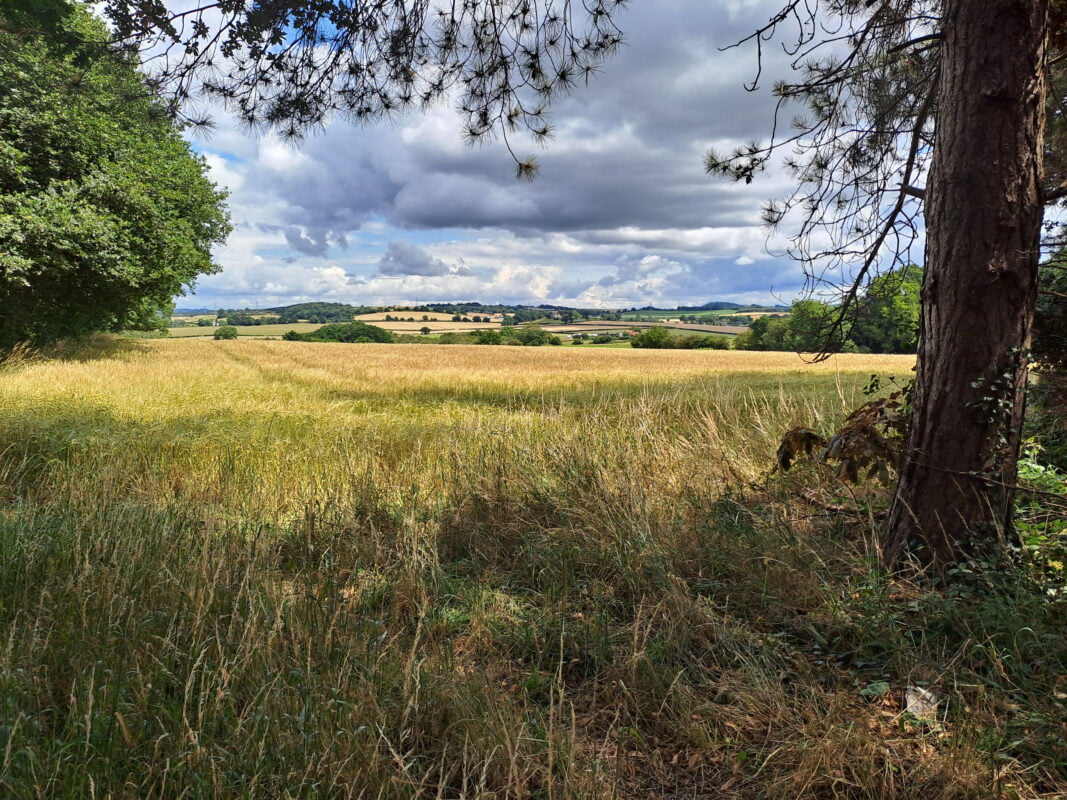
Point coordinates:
pixel 293 570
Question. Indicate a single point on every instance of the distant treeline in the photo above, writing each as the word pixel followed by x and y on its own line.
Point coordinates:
pixel 360 332
pixel 527 335
pixel 716 305
pixel 322 313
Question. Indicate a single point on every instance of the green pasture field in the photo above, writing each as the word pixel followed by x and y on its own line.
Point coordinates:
pixel 256 569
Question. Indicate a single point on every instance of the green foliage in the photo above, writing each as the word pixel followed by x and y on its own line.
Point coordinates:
pixel 350 332
pixel 530 336
pixel 105 213
pixel 766 333
pixel 699 341
pixel 1046 416
pixel 1041 510
pixel 888 321
pixel 318 312
pixel 811 328
pixel 522 314
pixel 225 332
pixel 660 338
pixel 488 337
pixel 1050 318
pixel 248 318
pixel 657 338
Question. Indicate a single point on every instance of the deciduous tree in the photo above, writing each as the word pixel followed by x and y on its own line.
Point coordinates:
pixel 105 213
pixel 888 320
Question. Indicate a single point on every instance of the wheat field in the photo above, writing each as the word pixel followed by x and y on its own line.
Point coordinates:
pixel 293 570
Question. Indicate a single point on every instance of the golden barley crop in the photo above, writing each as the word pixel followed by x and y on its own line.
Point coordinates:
pixel 258 569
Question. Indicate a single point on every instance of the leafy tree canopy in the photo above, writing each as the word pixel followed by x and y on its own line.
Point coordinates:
pixel 105 213
pixel 654 338
pixel 346 332
pixel 888 320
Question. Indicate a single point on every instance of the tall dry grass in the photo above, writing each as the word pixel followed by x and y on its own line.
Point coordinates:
pixel 274 569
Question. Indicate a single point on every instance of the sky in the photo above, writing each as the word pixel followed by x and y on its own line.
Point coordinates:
pixel 621 215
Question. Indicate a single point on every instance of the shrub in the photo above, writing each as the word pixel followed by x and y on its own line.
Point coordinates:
pixel 658 338
pixel 459 338
pixel 350 332
pixel 226 332
pixel 241 318
pixel 697 341
pixel 531 336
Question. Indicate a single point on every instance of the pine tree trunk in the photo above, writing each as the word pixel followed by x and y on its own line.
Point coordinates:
pixel 983 221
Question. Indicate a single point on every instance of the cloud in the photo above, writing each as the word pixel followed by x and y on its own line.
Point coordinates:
pixel 402 258
pixel 301 242
pixel 622 213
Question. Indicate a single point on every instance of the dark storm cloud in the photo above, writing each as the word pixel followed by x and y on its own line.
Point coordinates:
pixel 402 258
pixel 628 148
pixel 296 239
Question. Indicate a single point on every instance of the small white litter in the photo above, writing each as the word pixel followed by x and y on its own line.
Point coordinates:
pixel 920 702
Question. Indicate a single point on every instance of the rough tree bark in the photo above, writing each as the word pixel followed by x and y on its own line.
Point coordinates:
pixel 983 222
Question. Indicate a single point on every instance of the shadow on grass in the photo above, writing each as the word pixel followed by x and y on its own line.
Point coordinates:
pixel 97 347
pixel 702 632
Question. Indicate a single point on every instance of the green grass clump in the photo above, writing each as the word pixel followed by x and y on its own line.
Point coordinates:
pixel 278 570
